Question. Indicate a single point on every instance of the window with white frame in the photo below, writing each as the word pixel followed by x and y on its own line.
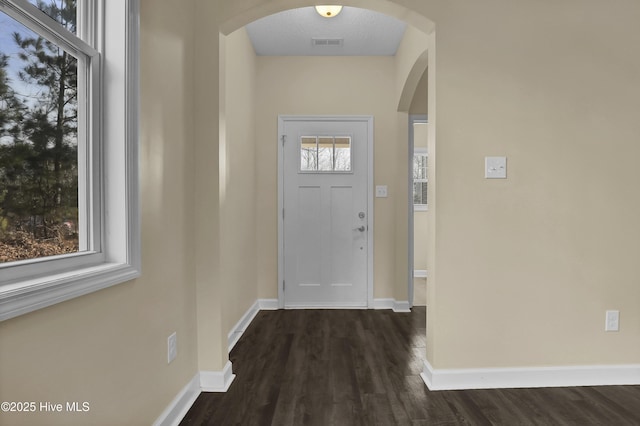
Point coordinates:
pixel 420 179
pixel 68 122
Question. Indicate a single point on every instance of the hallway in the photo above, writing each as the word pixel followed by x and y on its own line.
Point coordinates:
pixel 362 367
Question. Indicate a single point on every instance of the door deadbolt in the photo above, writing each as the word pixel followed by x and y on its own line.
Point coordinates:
pixel 361 215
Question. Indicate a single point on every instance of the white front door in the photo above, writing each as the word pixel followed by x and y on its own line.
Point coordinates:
pixel 325 217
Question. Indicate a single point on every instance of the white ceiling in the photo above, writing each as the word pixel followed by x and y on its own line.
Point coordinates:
pixel 291 33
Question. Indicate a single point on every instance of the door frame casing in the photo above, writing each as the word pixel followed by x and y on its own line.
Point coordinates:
pixel 368 119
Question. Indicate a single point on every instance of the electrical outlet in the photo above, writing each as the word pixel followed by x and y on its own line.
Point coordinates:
pixel 612 321
pixel 495 167
pixel 172 347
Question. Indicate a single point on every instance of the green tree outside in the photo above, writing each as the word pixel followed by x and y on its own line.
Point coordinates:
pixel 38 143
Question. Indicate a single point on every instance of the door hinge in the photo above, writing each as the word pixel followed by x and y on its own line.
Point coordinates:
pixel 284 139
pixel 282 214
pixel 283 285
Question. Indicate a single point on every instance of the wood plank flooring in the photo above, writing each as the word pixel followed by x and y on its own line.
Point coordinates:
pixel 361 367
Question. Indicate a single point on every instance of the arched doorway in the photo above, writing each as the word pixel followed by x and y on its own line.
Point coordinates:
pixel 231 18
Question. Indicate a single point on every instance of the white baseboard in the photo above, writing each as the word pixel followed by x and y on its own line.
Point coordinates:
pixel 268 304
pixel 419 273
pixel 240 327
pixel 401 306
pixel 217 381
pixel 237 330
pixel 175 412
pixel 203 381
pixel 397 306
pixel 529 377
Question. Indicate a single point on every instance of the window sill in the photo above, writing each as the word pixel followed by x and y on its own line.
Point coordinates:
pixel 420 208
pixel 37 293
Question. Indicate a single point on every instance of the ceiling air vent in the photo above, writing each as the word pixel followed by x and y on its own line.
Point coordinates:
pixel 318 42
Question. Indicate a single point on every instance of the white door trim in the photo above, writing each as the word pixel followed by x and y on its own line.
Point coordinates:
pixel 343 118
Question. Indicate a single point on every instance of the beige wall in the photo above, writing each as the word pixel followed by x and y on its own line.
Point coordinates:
pixel 522 269
pixel 209 107
pixel 329 86
pixel 238 206
pixel 419 102
pixel 526 267
pixel 420 226
pixel 109 348
pixel 537 296
pixel 411 62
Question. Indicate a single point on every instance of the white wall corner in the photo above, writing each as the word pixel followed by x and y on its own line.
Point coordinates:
pixel 178 408
pixel 240 327
pixel 268 304
pixel 393 304
pixel 530 377
pixel 217 381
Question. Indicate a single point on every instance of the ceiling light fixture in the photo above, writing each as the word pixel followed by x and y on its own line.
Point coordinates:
pixel 328 10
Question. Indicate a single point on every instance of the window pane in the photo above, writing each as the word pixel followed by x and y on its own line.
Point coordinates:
pixel 419 166
pixel 38 146
pixel 325 154
pixel 308 154
pixel 420 193
pixel 343 154
pixel 62 11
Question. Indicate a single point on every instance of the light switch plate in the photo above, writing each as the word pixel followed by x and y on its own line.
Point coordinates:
pixel 172 347
pixel 495 167
pixel 612 321
pixel 381 191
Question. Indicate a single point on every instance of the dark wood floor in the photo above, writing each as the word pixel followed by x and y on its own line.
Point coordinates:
pixel 361 367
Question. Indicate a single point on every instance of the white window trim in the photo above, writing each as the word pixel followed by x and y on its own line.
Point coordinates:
pixel 118 178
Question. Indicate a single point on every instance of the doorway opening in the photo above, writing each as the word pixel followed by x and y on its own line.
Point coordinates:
pixel 418 207
pixel 256 89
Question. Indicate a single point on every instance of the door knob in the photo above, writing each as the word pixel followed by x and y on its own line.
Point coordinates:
pixel 360 228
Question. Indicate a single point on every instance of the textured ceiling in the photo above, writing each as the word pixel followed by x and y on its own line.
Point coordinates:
pixel 363 33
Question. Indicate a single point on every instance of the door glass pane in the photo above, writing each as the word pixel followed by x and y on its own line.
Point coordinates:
pixel 38 146
pixel 325 154
pixel 308 154
pixel 342 154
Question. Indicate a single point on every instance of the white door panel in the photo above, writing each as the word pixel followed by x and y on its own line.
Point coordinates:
pixel 325 213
